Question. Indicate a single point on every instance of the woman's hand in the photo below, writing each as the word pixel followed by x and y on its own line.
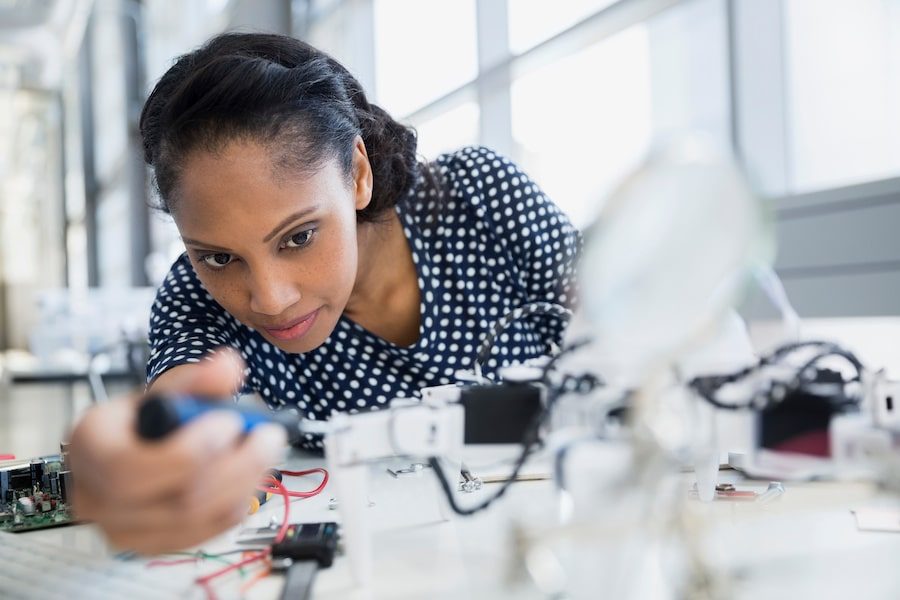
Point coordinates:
pixel 164 495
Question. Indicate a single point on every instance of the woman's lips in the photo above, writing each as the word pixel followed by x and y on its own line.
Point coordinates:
pixel 295 330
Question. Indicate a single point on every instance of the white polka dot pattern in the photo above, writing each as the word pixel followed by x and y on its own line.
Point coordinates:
pixel 484 241
pixel 526 310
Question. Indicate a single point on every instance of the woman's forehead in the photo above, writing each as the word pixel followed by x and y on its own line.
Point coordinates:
pixel 242 176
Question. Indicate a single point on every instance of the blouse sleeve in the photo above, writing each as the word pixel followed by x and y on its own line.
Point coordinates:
pixel 540 242
pixel 186 324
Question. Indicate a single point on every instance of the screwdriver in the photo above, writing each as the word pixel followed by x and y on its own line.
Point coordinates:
pixel 161 414
pixel 260 497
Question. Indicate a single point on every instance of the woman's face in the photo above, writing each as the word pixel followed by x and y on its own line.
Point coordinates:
pixel 278 253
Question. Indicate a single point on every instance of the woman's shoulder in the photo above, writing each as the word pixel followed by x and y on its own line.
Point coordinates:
pixel 469 177
pixel 473 162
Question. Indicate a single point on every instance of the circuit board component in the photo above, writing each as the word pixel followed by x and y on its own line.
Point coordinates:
pixel 34 493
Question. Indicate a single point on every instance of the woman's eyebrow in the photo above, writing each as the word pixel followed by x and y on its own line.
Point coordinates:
pixel 294 217
pixel 190 242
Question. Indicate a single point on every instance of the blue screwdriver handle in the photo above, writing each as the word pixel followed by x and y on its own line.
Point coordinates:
pixel 161 414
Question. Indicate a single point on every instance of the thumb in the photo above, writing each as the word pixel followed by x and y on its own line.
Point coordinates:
pixel 221 374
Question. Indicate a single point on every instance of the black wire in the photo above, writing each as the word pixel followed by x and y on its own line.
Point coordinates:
pixel 529 441
pixel 543 309
pixel 707 386
pixel 835 351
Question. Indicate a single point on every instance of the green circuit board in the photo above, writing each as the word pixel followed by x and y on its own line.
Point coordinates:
pixel 34 494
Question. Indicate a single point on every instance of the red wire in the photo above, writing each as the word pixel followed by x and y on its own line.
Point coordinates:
pixel 210 593
pixel 250 559
pixel 261 574
pixel 169 563
pixel 263 554
pixel 271 485
pixel 304 494
pixel 306 472
pixel 282 531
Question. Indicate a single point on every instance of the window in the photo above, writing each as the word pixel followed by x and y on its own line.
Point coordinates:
pixel 451 130
pixel 580 124
pixel 533 21
pixel 843 90
pixel 423 50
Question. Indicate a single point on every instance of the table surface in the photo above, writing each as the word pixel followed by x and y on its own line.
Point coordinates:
pixel 22 368
pixel 805 544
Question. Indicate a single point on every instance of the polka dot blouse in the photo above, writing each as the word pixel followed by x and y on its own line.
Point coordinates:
pixel 484 239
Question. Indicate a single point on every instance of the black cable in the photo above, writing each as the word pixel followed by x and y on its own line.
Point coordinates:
pixel 529 441
pixel 534 308
pixel 839 352
pixel 298 581
pixel 707 386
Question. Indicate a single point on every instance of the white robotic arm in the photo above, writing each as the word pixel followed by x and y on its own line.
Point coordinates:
pixel 433 428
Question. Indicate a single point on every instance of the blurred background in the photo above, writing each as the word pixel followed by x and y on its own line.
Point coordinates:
pixel 805 92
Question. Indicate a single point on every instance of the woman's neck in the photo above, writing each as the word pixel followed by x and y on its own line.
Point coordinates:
pixel 385 298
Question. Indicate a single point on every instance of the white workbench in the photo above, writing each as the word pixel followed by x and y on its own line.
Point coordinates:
pixel 804 545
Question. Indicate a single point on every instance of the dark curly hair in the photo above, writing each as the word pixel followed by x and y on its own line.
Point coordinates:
pixel 296 100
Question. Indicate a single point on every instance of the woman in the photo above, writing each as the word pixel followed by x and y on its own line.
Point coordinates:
pixel 341 270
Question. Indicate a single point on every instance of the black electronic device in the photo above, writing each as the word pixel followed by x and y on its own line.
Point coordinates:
pixel 799 423
pixel 308 541
pixel 305 549
pixel 499 413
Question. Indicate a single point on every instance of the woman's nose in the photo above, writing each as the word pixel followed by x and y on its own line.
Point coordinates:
pixel 271 292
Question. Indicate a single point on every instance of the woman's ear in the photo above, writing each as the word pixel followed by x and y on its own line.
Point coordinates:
pixel 362 175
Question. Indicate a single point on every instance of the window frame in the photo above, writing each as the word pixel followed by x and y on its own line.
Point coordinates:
pixel 758 124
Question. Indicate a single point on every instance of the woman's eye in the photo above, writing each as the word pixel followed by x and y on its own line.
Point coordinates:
pixel 216 261
pixel 299 239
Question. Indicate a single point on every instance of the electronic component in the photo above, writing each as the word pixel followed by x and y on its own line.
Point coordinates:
pixel 304 550
pixel 800 421
pixel 306 547
pixel 25 505
pixel 33 494
pixel 499 413
pixel 308 541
